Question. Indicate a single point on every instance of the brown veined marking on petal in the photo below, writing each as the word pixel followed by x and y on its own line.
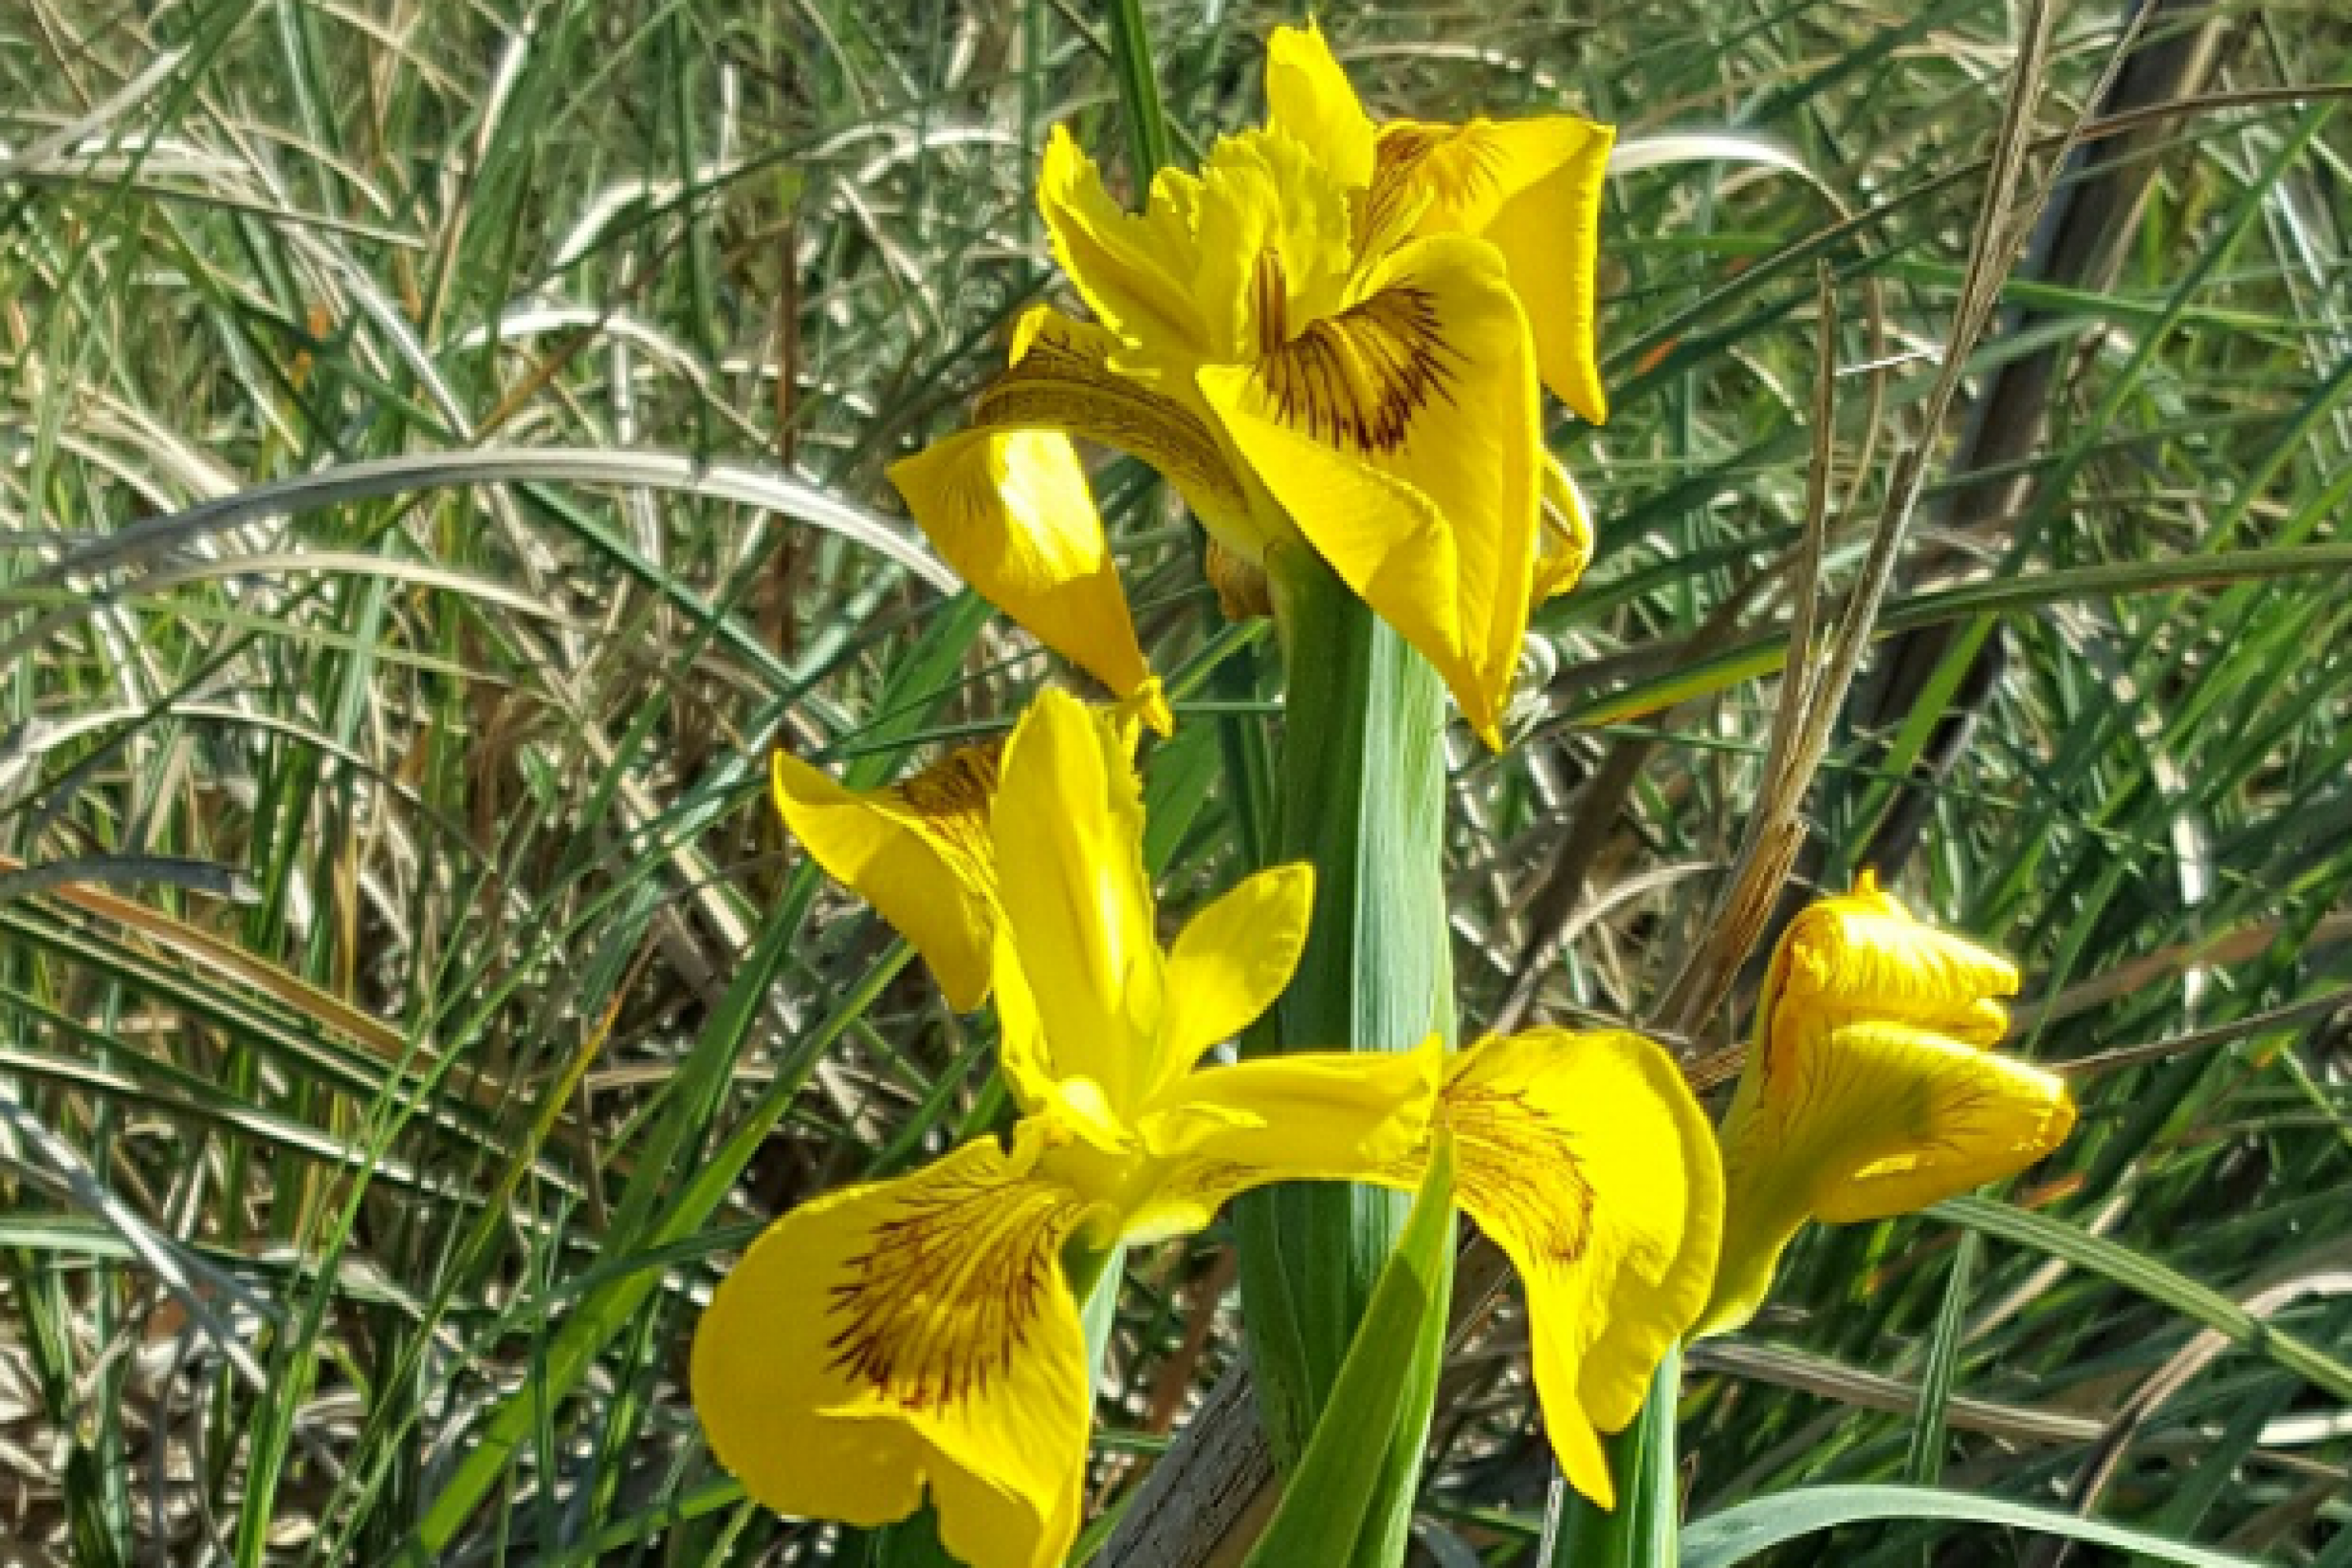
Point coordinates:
pixel 945 1293
pixel 1357 379
pixel 1533 1191
pixel 1220 1178
pixel 1458 165
pixel 1059 385
pixel 950 797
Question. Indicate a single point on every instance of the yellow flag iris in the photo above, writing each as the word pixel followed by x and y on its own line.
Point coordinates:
pixel 918 1336
pixel 1870 1089
pixel 1332 337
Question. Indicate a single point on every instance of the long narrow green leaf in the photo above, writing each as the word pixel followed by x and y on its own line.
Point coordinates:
pixel 1740 1533
pixel 2168 1287
pixel 1334 1494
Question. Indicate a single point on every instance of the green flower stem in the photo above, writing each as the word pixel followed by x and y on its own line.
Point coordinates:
pixel 1645 1529
pixel 1362 797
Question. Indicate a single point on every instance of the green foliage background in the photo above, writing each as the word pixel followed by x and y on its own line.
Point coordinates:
pixel 420 1007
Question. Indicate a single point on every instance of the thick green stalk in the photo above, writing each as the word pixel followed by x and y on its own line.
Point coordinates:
pixel 1362 781
pixel 1645 1529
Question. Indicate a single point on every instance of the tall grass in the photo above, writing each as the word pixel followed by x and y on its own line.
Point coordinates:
pixel 407 1005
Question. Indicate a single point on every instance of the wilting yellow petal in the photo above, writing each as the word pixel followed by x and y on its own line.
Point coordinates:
pixel 1962 1117
pixel 1307 96
pixel 1012 514
pixel 903 1336
pixel 1587 1161
pixel 1564 544
pixel 1232 961
pixel 1868 1090
pixel 1878 1118
pixel 918 852
pixel 1300 1117
pixel 1862 955
pixel 1400 437
pixel 1133 270
pixel 1532 188
pixel 1068 828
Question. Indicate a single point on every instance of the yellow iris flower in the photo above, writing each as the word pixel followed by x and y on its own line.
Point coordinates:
pixel 919 1335
pixel 1870 1089
pixel 1334 334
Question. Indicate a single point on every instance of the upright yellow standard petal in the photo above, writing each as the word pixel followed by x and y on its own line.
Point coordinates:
pixel 1132 270
pixel 1533 189
pixel 1068 828
pixel 918 852
pixel 1869 1090
pixel 1308 97
pixel 1400 436
pixel 1587 1161
pixel 1233 960
pixel 1012 512
pixel 909 1336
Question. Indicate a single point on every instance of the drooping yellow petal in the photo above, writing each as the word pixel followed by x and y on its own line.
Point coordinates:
pixel 905 1336
pixel 1231 960
pixel 1012 514
pixel 1132 270
pixel 1400 437
pixel 1062 376
pixel 1564 544
pixel 1068 829
pixel 1300 1117
pixel 1869 1090
pixel 1533 189
pixel 919 852
pixel 1586 1160
pixel 1307 96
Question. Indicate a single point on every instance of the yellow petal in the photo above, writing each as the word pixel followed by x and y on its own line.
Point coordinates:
pixel 1277 241
pixel 1233 960
pixel 909 1335
pixel 1587 1161
pixel 1400 434
pixel 1533 188
pixel 1021 1054
pixel 1966 1117
pixel 1062 377
pixel 1862 955
pixel 1564 545
pixel 1307 1115
pixel 1068 828
pixel 1868 1090
pixel 1012 514
pixel 1132 270
pixel 918 852
pixel 1307 96
pixel 1877 1119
